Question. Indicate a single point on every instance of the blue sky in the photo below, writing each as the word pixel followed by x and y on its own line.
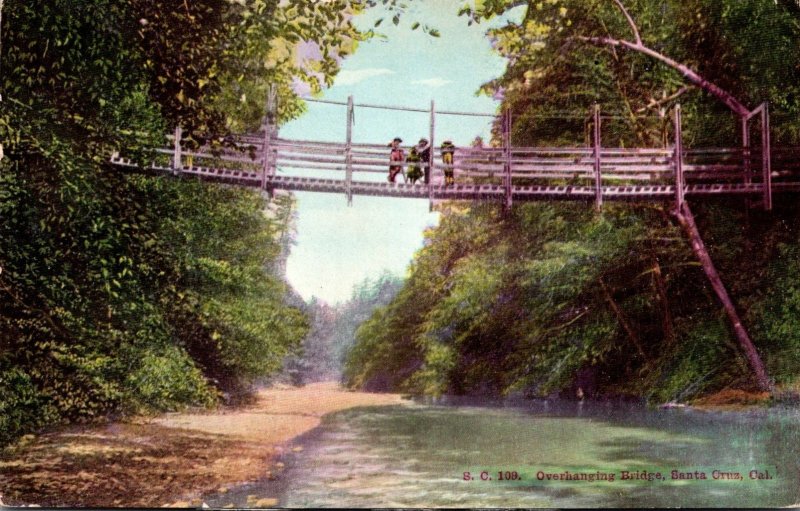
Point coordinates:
pixel 339 246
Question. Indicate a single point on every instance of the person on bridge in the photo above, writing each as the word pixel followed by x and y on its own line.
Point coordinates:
pixel 448 150
pixel 424 150
pixel 413 172
pixel 396 155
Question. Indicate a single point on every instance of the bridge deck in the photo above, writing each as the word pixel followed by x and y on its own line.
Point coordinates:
pixel 506 173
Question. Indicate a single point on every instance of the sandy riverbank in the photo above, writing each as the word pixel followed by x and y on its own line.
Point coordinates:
pixel 173 459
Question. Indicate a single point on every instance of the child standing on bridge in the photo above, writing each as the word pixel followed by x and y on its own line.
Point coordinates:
pixel 396 155
pixel 424 150
pixel 448 150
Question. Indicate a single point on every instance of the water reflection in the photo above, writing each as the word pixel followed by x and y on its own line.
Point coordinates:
pixel 456 455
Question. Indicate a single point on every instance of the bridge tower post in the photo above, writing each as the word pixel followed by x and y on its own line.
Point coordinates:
pixel 678 158
pixel 598 178
pixel 177 156
pixel 766 152
pixel 348 152
pixel 746 161
pixel 431 154
pixel 507 157
pixel 766 157
pixel 267 169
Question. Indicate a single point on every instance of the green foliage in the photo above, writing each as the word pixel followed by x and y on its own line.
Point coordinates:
pixel 532 301
pixel 554 296
pixel 554 76
pixel 166 380
pixel 22 407
pixel 134 293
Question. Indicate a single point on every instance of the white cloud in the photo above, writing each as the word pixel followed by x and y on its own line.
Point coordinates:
pixel 432 82
pixel 346 77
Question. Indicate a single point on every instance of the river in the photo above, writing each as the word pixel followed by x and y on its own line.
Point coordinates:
pixel 541 454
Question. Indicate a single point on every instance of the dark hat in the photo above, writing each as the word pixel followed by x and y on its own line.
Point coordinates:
pixel 423 141
pixel 397 139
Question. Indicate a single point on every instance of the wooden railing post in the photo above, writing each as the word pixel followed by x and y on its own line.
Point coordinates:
pixel 267 170
pixel 746 161
pixel 348 152
pixel 679 179
pixel 507 155
pixel 177 163
pixel 598 179
pixel 431 158
pixel 766 157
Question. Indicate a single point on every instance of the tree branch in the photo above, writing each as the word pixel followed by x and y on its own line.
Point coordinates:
pixel 689 74
pixel 634 28
pixel 629 330
pixel 656 103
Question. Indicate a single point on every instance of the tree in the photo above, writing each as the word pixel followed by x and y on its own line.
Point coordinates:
pixel 126 293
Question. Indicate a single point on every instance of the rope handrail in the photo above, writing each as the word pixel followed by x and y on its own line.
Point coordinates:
pixel 399 108
pixel 571 115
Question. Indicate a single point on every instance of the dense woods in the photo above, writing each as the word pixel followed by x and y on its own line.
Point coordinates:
pixel 555 298
pixel 129 293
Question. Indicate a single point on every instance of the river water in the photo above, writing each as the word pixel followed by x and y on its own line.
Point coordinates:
pixel 544 454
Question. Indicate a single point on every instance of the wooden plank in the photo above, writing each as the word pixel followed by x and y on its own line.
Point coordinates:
pixel 713 150
pixel 691 167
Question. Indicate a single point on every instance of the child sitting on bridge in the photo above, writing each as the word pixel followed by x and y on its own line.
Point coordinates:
pixel 414 172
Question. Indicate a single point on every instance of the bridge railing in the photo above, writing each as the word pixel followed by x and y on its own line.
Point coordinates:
pixel 264 159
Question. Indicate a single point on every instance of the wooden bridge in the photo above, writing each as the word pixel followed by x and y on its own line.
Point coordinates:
pixel 508 173
pixel 505 174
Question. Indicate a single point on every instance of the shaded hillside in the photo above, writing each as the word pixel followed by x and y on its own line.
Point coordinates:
pixel 554 297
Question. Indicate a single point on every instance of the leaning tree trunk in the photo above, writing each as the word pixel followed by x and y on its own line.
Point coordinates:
pixel 686 219
pixel 688 73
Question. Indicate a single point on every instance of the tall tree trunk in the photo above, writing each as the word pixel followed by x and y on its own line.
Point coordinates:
pixel 686 219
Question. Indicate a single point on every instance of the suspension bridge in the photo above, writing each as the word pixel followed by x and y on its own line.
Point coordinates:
pixel 505 173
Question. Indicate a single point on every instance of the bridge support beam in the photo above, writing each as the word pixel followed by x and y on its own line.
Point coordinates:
pixel 766 152
pixel 766 157
pixel 268 170
pixel 348 151
pixel 598 178
pixel 507 157
pixel 686 219
pixel 680 188
pixel 431 158
pixel 177 156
